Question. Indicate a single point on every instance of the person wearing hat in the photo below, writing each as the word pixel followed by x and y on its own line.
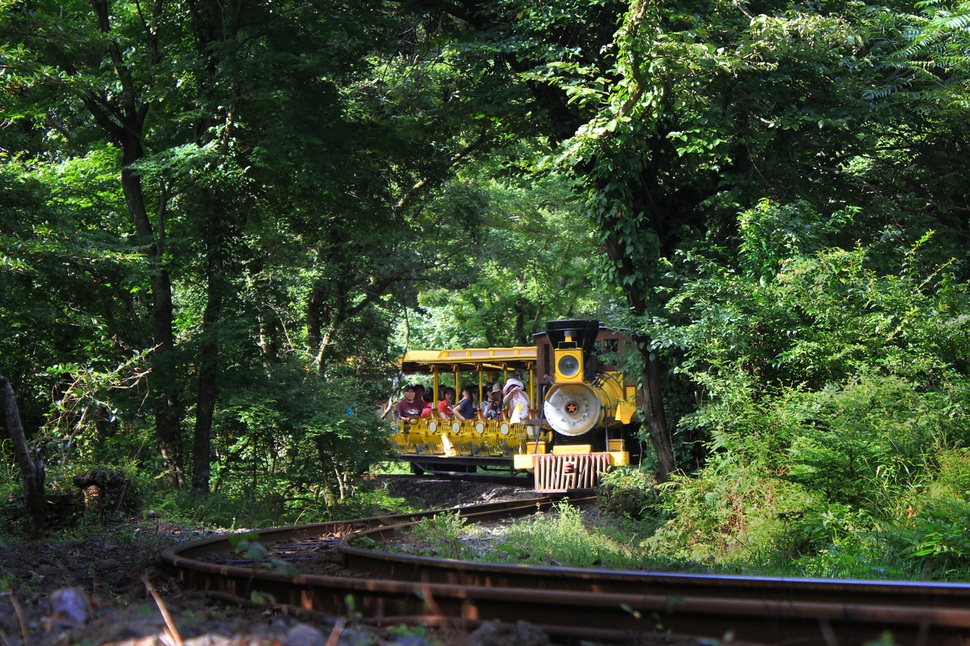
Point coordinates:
pixel 515 400
pixel 493 406
pixel 409 407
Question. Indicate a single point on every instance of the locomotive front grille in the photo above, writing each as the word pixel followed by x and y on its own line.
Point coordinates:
pixel 557 473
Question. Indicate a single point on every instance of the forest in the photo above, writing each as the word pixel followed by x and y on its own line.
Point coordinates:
pixel 221 222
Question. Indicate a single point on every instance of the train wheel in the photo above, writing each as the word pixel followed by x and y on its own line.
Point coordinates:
pixel 416 469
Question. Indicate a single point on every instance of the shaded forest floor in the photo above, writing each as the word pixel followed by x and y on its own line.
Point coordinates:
pixel 99 591
pixel 96 591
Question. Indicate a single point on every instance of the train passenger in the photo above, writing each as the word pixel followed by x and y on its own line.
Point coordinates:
pixel 516 401
pixel 486 395
pixel 421 398
pixel 409 407
pixel 493 406
pixel 447 402
pixel 466 407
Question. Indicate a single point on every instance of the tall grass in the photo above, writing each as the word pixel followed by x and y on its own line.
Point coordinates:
pixel 566 537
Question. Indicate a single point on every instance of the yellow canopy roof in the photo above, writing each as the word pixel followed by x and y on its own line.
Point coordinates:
pixel 468 359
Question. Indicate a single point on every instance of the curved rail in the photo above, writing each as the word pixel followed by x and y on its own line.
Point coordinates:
pixel 597 604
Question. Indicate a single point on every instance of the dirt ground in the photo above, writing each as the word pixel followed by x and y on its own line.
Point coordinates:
pixel 431 493
pixel 110 589
pixel 100 590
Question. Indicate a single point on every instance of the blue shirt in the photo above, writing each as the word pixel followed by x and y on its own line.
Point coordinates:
pixel 467 408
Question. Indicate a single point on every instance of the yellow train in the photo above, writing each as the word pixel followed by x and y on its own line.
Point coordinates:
pixel 581 418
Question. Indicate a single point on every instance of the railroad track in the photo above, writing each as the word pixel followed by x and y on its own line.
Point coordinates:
pixel 572 603
pixel 485 477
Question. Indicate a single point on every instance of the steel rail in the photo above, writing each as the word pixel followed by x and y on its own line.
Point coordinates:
pixel 484 476
pixel 342 527
pixel 379 602
pixel 392 565
pixel 764 608
pixel 578 603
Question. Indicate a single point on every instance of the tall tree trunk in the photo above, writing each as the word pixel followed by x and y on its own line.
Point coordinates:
pixel 320 360
pixel 269 328
pixel 123 119
pixel 317 316
pixel 31 473
pixel 166 406
pixel 208 361
pixel 314 315
pixel 268 340
pixel 655 416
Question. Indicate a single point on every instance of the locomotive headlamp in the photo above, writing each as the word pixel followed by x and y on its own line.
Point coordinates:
pixel 569 365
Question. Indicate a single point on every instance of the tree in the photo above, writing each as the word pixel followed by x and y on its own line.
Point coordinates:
pixel 31 472
pixel 280 204
pixel 531 260
pixel 111 103
pixel 274 182
pixel 690 113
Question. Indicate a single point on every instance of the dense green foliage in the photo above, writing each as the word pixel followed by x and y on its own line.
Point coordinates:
pixel 836 393
pixel 215 219
pixel 220 224
pixel 212 195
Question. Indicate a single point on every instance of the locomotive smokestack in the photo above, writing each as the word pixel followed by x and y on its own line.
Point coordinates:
pixel 573 333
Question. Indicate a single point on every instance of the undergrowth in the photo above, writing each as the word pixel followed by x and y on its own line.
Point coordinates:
pixel 67 515
pixel 566 537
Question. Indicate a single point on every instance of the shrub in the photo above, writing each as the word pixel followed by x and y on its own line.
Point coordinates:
pixel 832 391
pixel 630 492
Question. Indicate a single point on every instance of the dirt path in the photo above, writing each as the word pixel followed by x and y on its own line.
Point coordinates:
pixel 97 591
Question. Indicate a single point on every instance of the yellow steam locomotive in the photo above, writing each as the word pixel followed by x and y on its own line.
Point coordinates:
pixel 581 416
